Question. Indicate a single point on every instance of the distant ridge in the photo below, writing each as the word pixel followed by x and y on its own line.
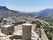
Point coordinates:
pixel 43 13
pixel 46 13
pixel 5 12
pixel 3 8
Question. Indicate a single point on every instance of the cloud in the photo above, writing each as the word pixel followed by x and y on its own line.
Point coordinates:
pixel 24 9
pixel 28 9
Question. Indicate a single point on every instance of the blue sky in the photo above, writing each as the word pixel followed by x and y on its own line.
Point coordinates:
pixel 27 5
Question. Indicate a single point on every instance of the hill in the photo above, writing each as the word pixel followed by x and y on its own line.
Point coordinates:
pixel 5 12
pixel 12 14
pixel 46 14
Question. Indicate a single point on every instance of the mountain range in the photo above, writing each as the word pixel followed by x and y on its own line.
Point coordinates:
pixel 5 12
pixel 15 15
pixel 46 13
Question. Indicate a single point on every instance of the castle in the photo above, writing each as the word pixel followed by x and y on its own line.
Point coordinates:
pixel 21 31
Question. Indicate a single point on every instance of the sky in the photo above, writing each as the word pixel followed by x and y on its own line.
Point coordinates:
pixel 27 5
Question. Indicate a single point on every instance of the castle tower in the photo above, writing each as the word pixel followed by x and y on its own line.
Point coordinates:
pixel 26 31
pixel 7 29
